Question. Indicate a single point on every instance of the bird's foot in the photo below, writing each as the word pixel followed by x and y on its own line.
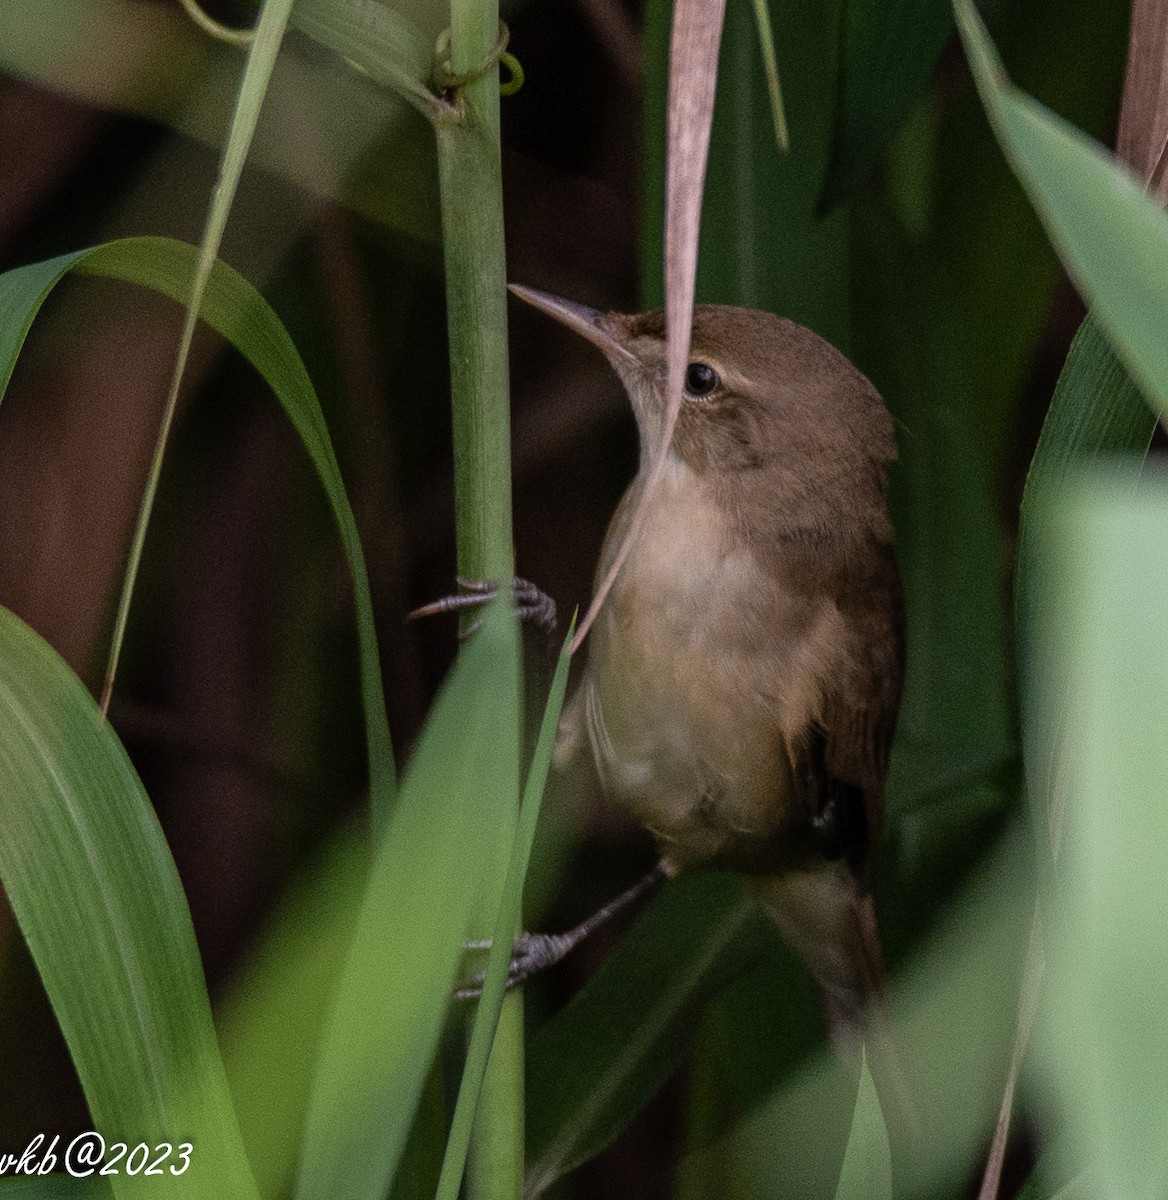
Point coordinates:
pixel 532 952
pixel 530 604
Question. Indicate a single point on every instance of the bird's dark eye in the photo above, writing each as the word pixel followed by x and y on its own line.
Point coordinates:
pixel 701 379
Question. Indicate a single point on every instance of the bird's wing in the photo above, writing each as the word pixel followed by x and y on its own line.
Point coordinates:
pixel 843 759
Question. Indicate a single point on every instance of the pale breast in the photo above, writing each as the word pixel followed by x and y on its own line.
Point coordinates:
pixel 702 672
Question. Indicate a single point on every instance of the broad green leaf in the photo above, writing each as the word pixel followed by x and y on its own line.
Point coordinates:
pixel 1104 570
pixel 1111 236
pixel 889 50
pixel 427 882
pixel 1098 413
pixel 237 311
pixel 378 39
pixel 867 1169
pixel 91 881
pixel 275 1008
pixel 490 1004
pixel 994 278
pixel 53 1187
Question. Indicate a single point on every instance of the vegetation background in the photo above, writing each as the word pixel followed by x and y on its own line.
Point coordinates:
pixel 893 226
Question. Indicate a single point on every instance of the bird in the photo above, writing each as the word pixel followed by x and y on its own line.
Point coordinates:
pixel 745 672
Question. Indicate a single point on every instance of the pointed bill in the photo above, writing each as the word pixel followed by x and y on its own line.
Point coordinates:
pixel 589 323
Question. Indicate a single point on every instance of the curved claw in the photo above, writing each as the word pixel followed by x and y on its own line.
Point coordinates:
pixel 530 603
pixel 532 952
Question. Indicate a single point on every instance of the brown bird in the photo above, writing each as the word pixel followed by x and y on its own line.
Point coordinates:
pixel 744 675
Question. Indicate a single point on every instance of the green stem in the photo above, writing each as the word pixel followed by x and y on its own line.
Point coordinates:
pixel 470 183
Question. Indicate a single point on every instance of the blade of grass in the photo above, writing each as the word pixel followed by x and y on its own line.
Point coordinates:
pixel 427 881
pixel 770 65
pixel 280 998
pixel 237 311
pixel 494 984
pixel 1097 413
pixel 693 76
pixel 87 870
pixel 261 58
pixel 1111 236
pixel 1103 1037
pixel 867 1169
pixel 1115 242
pixel 1142 138
pixel 377 39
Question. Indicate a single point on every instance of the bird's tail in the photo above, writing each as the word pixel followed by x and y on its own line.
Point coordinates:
pixel 831 924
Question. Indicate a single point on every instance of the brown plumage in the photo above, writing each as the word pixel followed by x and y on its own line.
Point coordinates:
pixel 744 676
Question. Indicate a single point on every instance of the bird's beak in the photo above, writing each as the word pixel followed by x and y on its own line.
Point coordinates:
pixel 598 327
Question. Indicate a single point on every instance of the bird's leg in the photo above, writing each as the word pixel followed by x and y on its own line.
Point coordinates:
pixel 530 604
pixel 532 952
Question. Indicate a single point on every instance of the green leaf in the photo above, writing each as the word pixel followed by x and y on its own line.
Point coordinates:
pixel 770 65
pixel 280 998
pixel 261 58
pixel 237 311
pixel 1097 412
pixel 867 1169
pixel 53 1187
pixel 379 40
pixel 1111 236
pixel 1105 572
pixel 490 1003
pixel 596 1063
pixel 91 881
pixel 428 880
pixel 889 50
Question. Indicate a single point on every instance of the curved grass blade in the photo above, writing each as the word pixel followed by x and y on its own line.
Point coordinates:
pixel 510 914
pixel 237 311
pixel 380 41
pixel 261 58
pixel 693 74
pixel 90 878
pixel 750 190
pixel 1111 236
pixel 281 998
pixel 431 872
pixel 1097 413
pixel 770 66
